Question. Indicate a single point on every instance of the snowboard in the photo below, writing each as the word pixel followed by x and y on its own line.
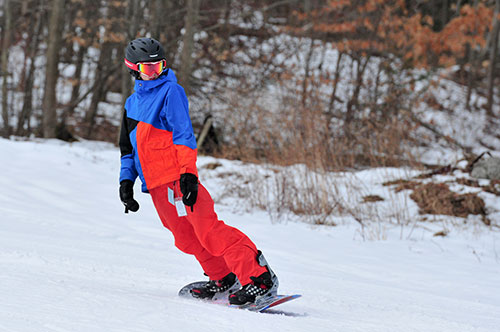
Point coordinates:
pixel 261 305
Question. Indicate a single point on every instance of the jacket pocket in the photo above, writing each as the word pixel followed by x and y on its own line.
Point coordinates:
pixel 159 144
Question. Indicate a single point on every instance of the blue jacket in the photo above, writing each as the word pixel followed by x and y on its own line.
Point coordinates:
pixel 157 142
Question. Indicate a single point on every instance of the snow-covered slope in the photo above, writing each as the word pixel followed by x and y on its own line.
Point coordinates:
pixel 70 260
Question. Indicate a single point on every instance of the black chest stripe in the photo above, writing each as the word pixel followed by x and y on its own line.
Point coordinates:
pixel 128 125
pixel 131 124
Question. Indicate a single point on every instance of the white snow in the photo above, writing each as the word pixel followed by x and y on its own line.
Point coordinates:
pixel 71 260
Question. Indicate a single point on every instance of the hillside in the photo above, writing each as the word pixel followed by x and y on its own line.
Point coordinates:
pixel 70 260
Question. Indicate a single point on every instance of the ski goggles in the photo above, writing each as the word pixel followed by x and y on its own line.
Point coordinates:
pixel 148 68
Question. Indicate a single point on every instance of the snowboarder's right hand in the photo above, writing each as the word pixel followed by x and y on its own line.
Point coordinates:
pixel 127 196
pixel 189 189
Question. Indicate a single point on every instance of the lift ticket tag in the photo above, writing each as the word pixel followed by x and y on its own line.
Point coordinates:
pixel 181 208
pixel 171 196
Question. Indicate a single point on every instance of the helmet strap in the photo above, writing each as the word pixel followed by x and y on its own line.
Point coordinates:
pixel 135 74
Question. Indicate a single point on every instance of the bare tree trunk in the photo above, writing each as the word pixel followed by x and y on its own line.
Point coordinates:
pixel 191 19
pixel 88 35
pixel 307 69
pixel 28 88
pixel 130 14
pixel 470 77
pixel 101 77
pixel 4 69
pixel 473 64
pixel 377 84
pixel 157 18
pixel 134 13
pixel 335 83
pixel 493 57
pixel 75 91
pixel 445 12
pixel 169 37
pixel 352 105
pixel 458 7
pixel 52 72
pixel 307 10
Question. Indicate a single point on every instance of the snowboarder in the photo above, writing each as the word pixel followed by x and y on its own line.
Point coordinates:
pixel 157 144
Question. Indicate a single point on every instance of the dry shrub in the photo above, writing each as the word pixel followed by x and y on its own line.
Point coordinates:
pixel 212 166
pixel 302 193
pixel 372 198
pixel 102 130
pixel 468 182
pixel 437 198
pixel 297 135
pixel 440 233
pixel 374 142
pixel 285 127
pixel 493 187
pixel 402 185
pixel 285 131
pixel 292 119
pixel 436 171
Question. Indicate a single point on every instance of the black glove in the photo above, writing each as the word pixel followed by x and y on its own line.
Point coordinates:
pixel 189 189
pixel 127 196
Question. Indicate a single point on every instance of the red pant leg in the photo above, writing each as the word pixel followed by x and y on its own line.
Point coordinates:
pixel 220 239
pixel 185 238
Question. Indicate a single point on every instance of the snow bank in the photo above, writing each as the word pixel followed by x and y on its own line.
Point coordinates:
pixel 70 260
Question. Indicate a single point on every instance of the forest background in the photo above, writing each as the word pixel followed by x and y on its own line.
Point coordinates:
pixel 331 85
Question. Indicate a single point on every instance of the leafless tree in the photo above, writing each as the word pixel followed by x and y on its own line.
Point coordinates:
pixel 51 71
pixel 191 19
pixel 7 31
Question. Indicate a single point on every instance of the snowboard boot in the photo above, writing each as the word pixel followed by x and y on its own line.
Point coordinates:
pixel 260 288
pixel 215 289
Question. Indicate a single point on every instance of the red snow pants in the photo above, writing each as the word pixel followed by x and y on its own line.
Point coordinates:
pixel 219 248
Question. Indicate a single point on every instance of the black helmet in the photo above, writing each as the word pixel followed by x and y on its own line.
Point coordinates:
pixel 144 49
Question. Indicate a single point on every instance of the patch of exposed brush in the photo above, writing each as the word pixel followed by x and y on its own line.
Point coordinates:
pixel 372 198
pixel 437 198
pixel 401 185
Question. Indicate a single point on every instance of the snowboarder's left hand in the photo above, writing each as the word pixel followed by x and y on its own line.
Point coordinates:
pixel 127 196
pixel 189 189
